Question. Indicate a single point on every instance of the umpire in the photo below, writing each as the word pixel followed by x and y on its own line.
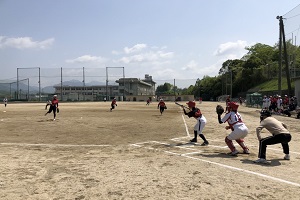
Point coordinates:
pixel 280 134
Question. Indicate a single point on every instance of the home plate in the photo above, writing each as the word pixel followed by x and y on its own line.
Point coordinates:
pixel 4 111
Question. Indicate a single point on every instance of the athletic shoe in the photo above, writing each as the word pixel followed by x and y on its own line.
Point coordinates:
pixel 233 153
pixel 204 144
pixel 246 151
pixel 261 160
pixel 287 157
pixel 194 140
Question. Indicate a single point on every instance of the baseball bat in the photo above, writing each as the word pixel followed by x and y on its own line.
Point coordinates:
pixel 182 105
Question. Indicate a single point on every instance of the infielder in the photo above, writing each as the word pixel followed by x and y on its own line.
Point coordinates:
pixel 237 126
pixel 201 121
pixel 161 105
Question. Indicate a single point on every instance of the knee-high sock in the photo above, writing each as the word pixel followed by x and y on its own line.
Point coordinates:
pixel 230 144
pixel 203 137
pixel 242 144
pixel 195 134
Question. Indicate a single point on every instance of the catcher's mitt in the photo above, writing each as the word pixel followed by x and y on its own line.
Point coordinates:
pixel 219 110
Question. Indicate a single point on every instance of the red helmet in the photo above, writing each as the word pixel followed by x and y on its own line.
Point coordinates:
pixel 191 104
pixel 233 105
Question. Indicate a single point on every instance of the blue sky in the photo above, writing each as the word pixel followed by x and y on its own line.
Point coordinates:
pixel 168 39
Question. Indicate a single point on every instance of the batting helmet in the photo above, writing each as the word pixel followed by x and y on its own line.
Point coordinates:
pixel 191 104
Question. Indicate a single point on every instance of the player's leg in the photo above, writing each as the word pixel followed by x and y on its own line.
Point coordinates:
pixel 201 124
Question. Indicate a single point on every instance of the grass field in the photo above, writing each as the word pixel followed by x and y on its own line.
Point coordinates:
pixel 134 152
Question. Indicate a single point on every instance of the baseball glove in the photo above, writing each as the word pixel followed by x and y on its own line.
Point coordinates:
pixel 219 110
pixel 57 110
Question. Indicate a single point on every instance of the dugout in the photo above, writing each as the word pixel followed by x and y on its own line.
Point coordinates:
pixel 254 100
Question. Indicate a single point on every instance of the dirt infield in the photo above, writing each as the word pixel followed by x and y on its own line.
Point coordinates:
pixel 136 153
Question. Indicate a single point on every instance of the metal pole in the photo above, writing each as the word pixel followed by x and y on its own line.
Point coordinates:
pixel 83 84
pixel 280 56
pixel 123 83
pixel 39 84
pixel 10 90
pixel 28 90
pixel 106 83
pixel 61 84
pixel 174 90
pixel 17 97
pixel 231 84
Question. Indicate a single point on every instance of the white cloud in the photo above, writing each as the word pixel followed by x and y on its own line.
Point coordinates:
pixel 234 50
pixel 135 48
pixel 87 59
pixel 147 57
pixel 192 65
pixel 24 43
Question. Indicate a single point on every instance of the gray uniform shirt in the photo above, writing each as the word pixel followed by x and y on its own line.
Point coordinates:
pixel 274 126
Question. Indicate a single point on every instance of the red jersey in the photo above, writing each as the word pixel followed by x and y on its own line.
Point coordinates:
pixel 113 102
pixel 161 104
pixel 54 102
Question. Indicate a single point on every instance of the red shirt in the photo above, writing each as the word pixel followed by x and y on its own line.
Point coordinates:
pixel 54 102
pixel 161 104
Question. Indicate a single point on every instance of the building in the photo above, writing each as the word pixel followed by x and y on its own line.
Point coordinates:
pixel 128 88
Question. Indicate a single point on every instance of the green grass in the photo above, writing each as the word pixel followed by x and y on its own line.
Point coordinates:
pixel 273 85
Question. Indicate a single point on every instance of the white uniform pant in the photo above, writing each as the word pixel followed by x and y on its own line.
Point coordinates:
pixel 201 121
pixel 239 132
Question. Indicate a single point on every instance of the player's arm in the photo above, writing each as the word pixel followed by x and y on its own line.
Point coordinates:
pixel 219 119
pixel 258 130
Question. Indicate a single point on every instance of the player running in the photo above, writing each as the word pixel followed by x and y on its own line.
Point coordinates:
pixel 53 107
pixel 162 106
pixel 113 104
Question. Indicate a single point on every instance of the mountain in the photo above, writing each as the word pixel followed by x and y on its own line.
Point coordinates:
pixel 47 89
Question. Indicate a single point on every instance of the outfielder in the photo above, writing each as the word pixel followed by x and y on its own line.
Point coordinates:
pixel 113 104
pixel 237 126
pixel 279 132
pixel 201 121
pixel 53 107
pixel 5 101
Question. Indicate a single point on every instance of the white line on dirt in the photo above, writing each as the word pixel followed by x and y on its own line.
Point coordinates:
pixel 56 145
pixel 244 170
pixel 186 155
pixel 186 128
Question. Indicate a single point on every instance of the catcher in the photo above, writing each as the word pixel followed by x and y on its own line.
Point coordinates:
pixel 201 121
pixel 237 126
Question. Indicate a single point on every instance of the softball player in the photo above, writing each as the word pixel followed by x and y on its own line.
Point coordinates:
pixel 201 121
pixel 162 106
pixel 5 101
pixel 53 107
pixel 237 126
pixel 113 104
